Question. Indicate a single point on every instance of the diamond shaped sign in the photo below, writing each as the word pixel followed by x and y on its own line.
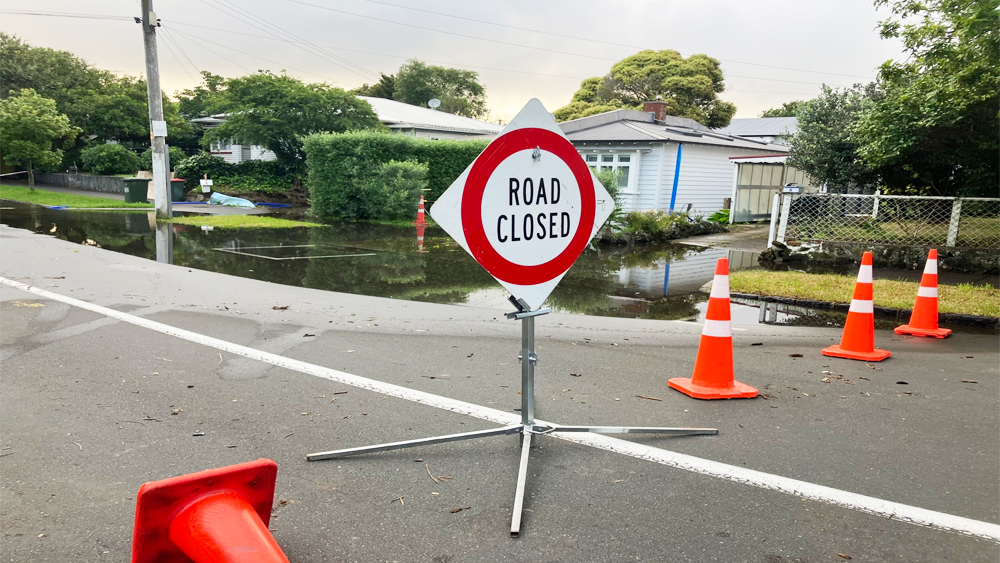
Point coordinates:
pixel 527 207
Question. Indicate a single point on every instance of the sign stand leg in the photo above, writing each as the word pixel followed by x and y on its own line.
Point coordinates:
pixel 527 427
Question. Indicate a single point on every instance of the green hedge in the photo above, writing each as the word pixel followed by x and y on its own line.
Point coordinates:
pixel 340 163
pixel 252 176
pixel 109 159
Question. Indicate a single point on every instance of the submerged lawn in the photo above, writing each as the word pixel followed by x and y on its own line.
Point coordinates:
pixel 54 199
pixel 963 298
pixel 241 222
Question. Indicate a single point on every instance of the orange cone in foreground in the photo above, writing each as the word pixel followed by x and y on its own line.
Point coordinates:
pixel 924 318
pixel 858 341
pixel 713 376
pixel 420 213
pixel 214 516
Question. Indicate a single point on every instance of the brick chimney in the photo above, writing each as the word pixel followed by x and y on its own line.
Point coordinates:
pixel 657 108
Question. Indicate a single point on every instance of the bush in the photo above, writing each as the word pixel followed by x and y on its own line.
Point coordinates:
pixel 657 227
pixel 249 178
pixel 109 159
pixel 341 164
pixel 721 217
pixel 392 192
pixel 176 156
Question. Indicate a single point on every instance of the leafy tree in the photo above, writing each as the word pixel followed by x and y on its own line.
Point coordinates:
pixel 690 86
pixel 459 90
pixel 935 129
pixel 384 88
pixel 787 109
pixel 275 111
pixel 32 132
pixel 202 100
pixel 822 147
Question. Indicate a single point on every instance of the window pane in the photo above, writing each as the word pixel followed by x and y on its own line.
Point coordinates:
pixel 607 158
pixel 591 158
pixel 624 158
pixel 606 168
pixel 623 176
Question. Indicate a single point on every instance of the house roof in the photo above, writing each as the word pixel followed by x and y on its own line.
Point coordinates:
pixel 760 127
pixel 638 126
pixel 398 115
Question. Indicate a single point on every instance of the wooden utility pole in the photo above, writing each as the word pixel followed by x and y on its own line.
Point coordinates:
pixel 157 127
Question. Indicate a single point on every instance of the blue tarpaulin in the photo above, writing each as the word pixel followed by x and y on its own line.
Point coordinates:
pixel 230 201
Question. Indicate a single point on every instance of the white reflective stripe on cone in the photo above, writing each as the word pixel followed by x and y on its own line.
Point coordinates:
pixel 927 292
pixel 717 328
pixel 931 267
pixel 865 274
pixel 858 306
pixel 720 287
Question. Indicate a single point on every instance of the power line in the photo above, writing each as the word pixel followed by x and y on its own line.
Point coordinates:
pixel 315 52
pixel 198 43
pixel 166 33
pixel 191 38
pixel 67 15
pixel 591 40
pixel 166 42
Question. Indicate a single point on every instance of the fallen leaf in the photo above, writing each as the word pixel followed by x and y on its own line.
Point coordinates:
pixel 280 307
pixel 307 335
pixel 575 374
pixel 795 355
pixel 650 398
pixel 969 381
pixel 459 509
pixel 340 392
pixel 844 556
pixel 756 343
pixel 901 383
pixel 470 355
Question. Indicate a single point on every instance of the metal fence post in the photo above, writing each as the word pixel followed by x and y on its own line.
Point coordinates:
pixel 956 213
pixel 774 220
pixel 786 206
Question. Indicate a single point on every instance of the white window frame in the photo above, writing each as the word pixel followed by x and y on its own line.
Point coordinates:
pixel 595 160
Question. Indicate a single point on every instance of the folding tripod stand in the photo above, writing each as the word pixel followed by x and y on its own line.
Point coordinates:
pixel 527 427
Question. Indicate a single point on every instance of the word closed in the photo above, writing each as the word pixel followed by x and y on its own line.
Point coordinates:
pixel 536 221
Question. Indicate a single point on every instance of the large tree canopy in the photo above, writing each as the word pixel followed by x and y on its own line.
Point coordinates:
pixel 458 90
pixel 689 85
pixel 822 146
pixel 384 88
pixel 103 106
pixel 935 129
pixel 32 131
pixel 275 111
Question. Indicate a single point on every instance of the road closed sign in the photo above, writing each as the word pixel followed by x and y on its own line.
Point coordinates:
pixel 526 207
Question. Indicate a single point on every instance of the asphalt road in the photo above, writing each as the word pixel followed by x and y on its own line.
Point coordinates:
pixel 87 405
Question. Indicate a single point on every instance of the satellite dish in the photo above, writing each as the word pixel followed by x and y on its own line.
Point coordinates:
pixel 433 103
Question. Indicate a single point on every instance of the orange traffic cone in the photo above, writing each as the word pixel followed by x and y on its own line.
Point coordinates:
pixel 214 516
pixel 858 341
pixel 713 376
pixel 420 213
pixel 924 318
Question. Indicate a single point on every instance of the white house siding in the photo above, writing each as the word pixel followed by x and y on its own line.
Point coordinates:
pixel 650 174
pixel 683 276
pixel 233 154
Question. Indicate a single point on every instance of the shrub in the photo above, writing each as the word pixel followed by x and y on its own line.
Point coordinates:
pixel 250 177
pixel 721 217
pixel 340 164
pixel 392 192
pixel 109 159
pixel 176 156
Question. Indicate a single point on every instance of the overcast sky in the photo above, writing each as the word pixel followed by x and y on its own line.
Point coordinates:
pixel 520 48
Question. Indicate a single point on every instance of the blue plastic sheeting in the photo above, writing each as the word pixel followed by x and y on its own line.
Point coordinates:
pixel 273 204
pixel 230 201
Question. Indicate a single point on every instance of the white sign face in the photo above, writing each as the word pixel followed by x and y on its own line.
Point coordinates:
pixel 205 182
pixel 527 207
pixel 159 128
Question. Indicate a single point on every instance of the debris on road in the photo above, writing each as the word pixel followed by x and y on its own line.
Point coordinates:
pixel 459 509
pixel 650 398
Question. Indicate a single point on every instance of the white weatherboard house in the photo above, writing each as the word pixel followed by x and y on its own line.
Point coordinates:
pixel 398 117
pixel 667 163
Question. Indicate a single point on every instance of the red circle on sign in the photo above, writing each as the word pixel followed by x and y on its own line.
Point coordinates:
pixel 472 203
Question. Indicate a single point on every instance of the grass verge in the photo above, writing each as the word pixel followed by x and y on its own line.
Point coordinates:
pixel 52 199
pixel 964 298
pixel 242 222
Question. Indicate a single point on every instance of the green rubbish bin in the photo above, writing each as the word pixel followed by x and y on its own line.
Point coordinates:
pixel 177 189
pixel 135 190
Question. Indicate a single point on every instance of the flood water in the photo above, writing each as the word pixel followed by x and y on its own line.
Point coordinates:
pixel 654 282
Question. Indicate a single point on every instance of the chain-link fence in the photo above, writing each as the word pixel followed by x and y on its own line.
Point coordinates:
pixel 894 220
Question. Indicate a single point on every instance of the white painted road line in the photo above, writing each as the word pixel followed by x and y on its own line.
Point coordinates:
pixel 819 493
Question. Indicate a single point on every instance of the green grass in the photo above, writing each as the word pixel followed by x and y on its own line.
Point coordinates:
pixel 242 222
pixel 963 298
pixel 43 197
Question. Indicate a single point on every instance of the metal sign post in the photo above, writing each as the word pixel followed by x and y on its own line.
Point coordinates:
pixel 525 210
